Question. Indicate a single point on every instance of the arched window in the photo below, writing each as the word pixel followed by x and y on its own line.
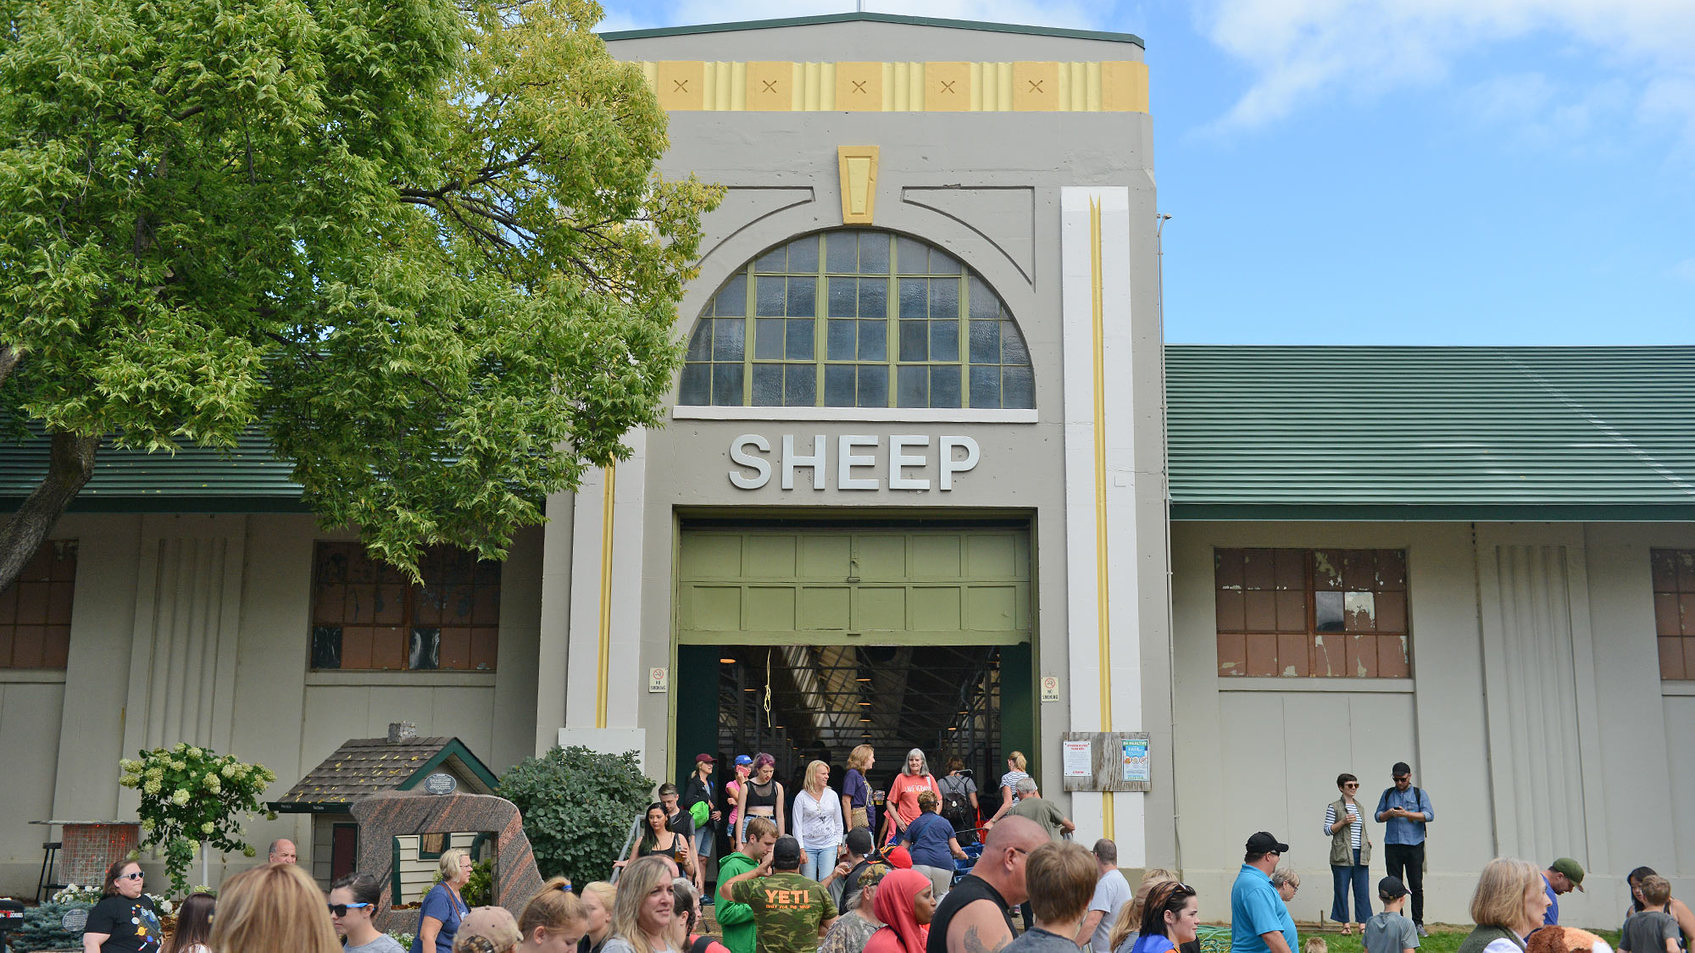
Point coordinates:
pixel 857 318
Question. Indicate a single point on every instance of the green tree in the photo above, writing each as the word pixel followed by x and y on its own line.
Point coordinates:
pixel 577 806
pixel 423 244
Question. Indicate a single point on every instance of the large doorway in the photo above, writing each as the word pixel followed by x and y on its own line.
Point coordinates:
pixel 806 639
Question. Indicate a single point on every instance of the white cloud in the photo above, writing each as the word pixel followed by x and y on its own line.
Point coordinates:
pixel 1300 51
pixel 1685 270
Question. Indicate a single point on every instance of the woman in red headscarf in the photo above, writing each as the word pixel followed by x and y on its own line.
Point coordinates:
pixel 905 901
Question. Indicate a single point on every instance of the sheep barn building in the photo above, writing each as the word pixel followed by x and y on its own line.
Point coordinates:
pixel 933 479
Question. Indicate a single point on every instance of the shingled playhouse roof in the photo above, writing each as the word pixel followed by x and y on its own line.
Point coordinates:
pixel 364 766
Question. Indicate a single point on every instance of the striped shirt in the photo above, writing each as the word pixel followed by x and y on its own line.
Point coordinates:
pixel 1354 827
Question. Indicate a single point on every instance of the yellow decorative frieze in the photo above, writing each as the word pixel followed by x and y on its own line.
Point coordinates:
pixel 1043 86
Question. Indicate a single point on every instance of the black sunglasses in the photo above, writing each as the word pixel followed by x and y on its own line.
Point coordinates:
pixel 340 909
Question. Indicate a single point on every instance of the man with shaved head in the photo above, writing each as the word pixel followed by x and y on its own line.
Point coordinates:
pixel 975 916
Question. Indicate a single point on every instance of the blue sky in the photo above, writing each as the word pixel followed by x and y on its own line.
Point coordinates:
pixel 1396 171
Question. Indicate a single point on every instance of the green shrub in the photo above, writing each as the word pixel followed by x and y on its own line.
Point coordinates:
pixel 43 928
pixel 577 806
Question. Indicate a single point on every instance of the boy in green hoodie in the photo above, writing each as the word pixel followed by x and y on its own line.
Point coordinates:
pixel 736 919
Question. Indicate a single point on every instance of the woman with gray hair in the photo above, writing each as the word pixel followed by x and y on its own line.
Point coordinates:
pixel 443 908
pixel 902 801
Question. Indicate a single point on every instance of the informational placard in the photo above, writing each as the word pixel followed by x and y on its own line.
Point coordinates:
pixel 1050 688
pixel 1078 759
pixel 441 783
pixel 1106 761
pixel 658 679
pixel 1136 765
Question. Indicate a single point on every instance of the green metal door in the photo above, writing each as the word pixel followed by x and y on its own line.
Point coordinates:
pixel 958 584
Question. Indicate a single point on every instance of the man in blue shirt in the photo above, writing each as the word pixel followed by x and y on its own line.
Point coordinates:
pixel 1562 876
pixel 1405 810
pixel 1259 920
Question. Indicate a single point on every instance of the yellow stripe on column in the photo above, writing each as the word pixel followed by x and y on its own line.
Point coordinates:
pixel 603 675
pixel 1097 291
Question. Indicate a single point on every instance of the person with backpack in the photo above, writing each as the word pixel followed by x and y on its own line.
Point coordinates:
pixel 1405 811
pixel 959 801
pixel 934 847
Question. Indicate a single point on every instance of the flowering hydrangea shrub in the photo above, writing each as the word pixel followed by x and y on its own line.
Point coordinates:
pixel 192 795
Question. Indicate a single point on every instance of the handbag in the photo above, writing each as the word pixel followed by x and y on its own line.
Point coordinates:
pixel 699 812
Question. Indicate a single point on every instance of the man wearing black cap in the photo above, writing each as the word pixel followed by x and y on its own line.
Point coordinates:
pixel 1259 921
pixel 844 881
pixel 1390 931
pixel 790 912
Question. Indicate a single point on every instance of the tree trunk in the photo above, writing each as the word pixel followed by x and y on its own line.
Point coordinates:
pixel 71 464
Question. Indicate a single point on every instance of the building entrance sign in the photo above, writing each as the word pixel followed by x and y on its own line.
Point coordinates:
pixel 863 461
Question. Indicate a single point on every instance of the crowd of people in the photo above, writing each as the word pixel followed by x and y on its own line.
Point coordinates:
pixel 830 885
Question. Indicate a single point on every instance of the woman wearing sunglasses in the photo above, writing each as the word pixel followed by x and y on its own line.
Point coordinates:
pixel 353 902
pixel 124 920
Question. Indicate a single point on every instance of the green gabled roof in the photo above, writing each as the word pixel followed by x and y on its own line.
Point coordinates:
pixel 1471 433
pixel 246 479
pixel 772 24
pixel 1391 433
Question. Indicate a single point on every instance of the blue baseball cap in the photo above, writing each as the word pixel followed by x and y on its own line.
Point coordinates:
pixel 744 759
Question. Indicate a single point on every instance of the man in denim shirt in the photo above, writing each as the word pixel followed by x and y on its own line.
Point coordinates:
pixel 1406 810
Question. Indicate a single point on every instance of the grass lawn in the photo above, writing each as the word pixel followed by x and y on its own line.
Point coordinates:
pixel 1442 939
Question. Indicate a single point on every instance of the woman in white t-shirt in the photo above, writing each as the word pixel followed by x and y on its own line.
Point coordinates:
pixel 818 822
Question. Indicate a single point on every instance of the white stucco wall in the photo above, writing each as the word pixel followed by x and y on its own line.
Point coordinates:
pixel 1506 774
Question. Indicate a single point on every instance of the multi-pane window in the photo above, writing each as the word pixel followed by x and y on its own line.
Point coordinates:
pixel 1674 611
pixel 857 318
pixel 35 611
pixel 367 615
pixel 1312 612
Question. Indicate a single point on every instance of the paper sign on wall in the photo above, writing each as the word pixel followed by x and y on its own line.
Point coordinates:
pixel 1077 762
pixel 1050 688
pixel 1137 767
pixel 658 679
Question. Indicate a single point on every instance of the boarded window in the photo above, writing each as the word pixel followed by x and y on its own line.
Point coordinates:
pixel 366 615
pixel 1312 613
pixel 1674 611
pixel 35 611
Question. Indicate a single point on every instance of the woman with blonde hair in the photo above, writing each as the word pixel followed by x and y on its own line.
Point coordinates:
pixel 1508 904
pixel 554 920
pixel 599 898
pixel 1015 765
pixel 641 919
pixel 856 791
pixel 269 908
pixel 443 908
pixel 818 822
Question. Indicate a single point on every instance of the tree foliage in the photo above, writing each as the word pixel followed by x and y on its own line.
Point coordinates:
pixel 423 244
pixel 577 806
pixel 193 798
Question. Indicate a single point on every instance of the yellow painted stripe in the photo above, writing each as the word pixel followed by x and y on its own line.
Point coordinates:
pixel 900 86
pixel 604 672
pixel 1097 292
